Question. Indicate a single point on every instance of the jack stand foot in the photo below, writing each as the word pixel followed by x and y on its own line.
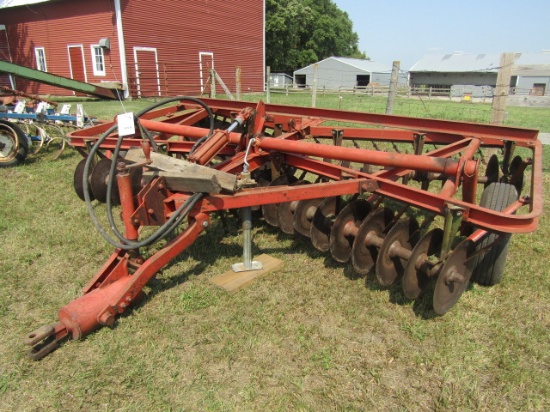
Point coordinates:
pixel 242 267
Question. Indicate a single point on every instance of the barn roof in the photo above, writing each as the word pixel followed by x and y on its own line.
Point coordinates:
pixel 487 63
pixel 5 4
pixel 370 66
pixel 458 62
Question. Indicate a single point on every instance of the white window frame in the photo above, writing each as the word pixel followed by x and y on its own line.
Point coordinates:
pixel 97 70
pixel 40 56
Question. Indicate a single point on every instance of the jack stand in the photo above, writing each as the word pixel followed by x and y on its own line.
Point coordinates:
pixel 248 263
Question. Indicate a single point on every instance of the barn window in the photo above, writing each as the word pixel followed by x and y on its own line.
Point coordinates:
pixel 98 60
pixel 40 55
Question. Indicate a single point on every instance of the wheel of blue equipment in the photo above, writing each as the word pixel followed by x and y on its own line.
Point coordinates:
pixel 13 144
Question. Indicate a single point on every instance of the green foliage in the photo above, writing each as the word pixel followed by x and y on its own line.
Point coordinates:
pixel 301 32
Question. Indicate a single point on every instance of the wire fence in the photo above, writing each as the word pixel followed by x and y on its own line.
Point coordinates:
pixel 430 102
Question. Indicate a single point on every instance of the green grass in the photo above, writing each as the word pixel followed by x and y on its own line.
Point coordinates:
pixel 307 337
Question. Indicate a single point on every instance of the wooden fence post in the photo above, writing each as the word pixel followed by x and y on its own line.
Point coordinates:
pixel 212 84
pixel 268 84
pixel 502 88
pixel 238 82
pixel 314 91
pixel 393 86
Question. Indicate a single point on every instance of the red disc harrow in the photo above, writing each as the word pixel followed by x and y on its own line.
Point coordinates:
pixel 410 200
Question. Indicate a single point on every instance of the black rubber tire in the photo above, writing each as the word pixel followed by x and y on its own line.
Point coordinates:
pixel 488 266
pixel 21 145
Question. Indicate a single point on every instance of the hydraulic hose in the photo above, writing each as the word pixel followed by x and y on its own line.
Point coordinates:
pixel 167 227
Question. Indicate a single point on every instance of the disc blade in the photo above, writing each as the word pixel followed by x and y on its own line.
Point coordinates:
pixel 78 180
pixel 389 266
pixel 416 277
pixel 345 228
pixel 322 223
pixel 303 215
pixel 363 251
pixel 270 211
pixel 453 278
pixel 99 181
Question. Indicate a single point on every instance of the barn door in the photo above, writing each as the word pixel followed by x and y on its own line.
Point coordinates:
pixel 206 64
pixel 147 72
pixel 5 55
pixel 77 65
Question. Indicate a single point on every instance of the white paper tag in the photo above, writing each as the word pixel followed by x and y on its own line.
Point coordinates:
pixel 126 124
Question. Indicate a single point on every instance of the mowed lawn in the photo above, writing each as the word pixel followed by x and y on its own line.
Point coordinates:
pixel 310 336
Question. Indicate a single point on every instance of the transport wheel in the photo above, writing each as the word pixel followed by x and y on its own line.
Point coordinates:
pixel 369 238
pixel 489 264
pixel 417 272
pixel 516 179
pixel 453 278
pixel 303 215
pixel 389 264
pixel 345 228
pixel 13 144
pixel 322 223
pixel 492 170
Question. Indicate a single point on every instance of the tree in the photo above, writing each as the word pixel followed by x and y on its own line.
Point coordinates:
pixel 301 32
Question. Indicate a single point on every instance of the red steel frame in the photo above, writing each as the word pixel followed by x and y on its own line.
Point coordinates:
pixel 290 136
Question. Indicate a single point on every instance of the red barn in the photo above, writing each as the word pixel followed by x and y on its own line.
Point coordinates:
pixel 153 48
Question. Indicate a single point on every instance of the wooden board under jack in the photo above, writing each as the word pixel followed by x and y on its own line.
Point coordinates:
pixel 233 281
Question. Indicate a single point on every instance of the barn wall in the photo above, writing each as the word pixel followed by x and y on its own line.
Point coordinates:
pixel 232 31
pixel 332 75
pixel 525 84
pixel 54 26
pixel 450 79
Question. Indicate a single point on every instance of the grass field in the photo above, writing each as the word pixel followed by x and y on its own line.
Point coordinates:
pixel 309 337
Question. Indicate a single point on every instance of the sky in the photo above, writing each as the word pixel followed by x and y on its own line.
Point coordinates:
pixel 406 30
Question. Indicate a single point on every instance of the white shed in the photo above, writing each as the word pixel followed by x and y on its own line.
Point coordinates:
pixel 335 73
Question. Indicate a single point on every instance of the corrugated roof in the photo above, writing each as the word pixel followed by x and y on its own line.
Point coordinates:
pixel 4 4
pixel 458 62
pixel 360 64
pixel 534 64
pixel 367 65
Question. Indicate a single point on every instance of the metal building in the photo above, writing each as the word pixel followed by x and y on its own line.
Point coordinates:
pixel 530 73
pixel 335 73
pixel 152 48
